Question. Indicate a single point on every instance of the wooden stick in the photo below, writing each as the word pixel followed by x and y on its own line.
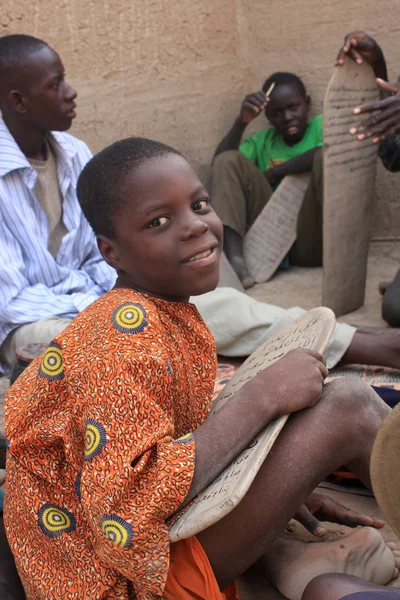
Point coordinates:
pixel 270 89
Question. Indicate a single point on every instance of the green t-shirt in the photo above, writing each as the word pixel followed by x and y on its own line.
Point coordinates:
pixel 267 148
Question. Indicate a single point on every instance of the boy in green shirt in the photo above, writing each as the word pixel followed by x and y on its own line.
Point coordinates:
pixel 244 175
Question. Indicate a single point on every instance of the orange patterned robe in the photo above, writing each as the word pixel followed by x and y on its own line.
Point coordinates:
pixel 95 465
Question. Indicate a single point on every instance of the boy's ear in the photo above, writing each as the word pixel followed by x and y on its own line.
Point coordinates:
pixel 17 101
pixel 108 251
pixel 307 98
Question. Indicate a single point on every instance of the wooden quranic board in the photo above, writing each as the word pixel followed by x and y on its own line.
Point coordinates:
pixel 273 233
pixel 312 330
pixel 349 188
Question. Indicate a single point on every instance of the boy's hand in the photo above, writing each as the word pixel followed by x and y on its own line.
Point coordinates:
pixel 272 176
pixel 322 507
pixel 295 381
pixel 386 122
pixel 360 46
pixel 252 105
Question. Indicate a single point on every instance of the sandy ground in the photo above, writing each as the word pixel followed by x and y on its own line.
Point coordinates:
pixel 302 287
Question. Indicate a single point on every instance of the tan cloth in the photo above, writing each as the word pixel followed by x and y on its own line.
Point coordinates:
pixel 240 324
pixel 48 194
pixel 39 332
pixel 240 191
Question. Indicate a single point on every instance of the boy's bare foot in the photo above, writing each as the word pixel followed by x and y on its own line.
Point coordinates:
pixel 291 565
pixel 242 272
pixel 382 286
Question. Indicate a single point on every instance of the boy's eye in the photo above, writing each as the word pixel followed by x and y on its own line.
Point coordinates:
pixel 158 222
pixel 201 204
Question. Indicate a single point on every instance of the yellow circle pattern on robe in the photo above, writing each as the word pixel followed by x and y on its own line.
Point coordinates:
pixel 95 439
pixel 52 365
pixel 54 521
pixel 118 531
pixel 185 439
pixel 130 318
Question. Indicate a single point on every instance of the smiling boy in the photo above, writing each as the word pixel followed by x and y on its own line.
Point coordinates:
pixel 110 432
pixel 244 175
pixel 50 267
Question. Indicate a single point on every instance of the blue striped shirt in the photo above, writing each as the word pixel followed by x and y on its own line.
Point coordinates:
pixel 33 284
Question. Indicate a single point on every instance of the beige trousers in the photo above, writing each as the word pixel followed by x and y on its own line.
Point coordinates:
pixel 240 324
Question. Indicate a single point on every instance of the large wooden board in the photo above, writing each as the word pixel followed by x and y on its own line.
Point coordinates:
pixel 311 330
pixel 273 233
pixel 349 187
pixel 227 275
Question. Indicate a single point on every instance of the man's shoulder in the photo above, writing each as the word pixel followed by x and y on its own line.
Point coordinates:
pixel 316 122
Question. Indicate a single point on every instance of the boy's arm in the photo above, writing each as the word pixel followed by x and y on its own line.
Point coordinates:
pixel 299 164
pixel 251 107
pixel 270 394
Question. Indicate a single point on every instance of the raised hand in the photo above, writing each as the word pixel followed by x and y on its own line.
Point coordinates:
pixel 252 106
pixel 360 46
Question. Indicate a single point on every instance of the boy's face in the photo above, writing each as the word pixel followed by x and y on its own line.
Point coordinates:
pixel 287 111
pixel 45 100
pixel 168 238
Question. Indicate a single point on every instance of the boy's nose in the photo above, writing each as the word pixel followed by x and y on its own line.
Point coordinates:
pixel 70 93
pixel 287 116
pixel 194 228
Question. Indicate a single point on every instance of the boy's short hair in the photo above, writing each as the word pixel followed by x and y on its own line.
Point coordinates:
pixel 15 50
pixel 283 78
pixel 99 184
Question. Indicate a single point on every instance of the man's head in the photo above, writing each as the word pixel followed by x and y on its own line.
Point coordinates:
pixel 153 218
pixel 289 105
pixel 32 85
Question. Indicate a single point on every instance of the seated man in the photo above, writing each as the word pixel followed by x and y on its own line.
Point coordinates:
pixel 243 181
pixel 50 266
pixel 383 127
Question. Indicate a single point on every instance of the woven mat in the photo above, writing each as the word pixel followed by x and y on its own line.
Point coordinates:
pixel 373 375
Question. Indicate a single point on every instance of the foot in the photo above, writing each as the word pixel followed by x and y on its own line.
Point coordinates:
pixel 242 272
pixel 290 565
pixel 382 286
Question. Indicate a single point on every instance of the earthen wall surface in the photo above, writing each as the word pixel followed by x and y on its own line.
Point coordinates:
pixel 178 70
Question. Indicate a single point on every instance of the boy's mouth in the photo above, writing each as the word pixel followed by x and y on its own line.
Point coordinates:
pixel 292 130
pixel 204 256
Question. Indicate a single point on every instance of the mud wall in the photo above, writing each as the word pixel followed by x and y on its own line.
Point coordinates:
pixel 178 70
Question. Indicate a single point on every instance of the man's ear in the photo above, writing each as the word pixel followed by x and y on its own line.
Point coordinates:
pixel 17 101
pixel 108 251
pixel 307 98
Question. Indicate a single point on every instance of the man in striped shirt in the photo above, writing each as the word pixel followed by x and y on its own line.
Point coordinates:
pixel 50 267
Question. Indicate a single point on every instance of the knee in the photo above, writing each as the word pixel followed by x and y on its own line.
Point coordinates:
pixel 323 587
pixel 226 159
pixel 354 401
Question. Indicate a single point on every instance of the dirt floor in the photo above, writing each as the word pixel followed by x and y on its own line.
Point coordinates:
pixel 302 287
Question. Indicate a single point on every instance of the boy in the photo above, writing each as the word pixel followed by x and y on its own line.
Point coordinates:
pixel 243 181
pixel 50 266
pixel 109 435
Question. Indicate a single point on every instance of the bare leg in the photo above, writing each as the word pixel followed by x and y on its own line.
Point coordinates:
pixel 233 248
pixel 380 348
pixel 335 587
pixel 313 443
